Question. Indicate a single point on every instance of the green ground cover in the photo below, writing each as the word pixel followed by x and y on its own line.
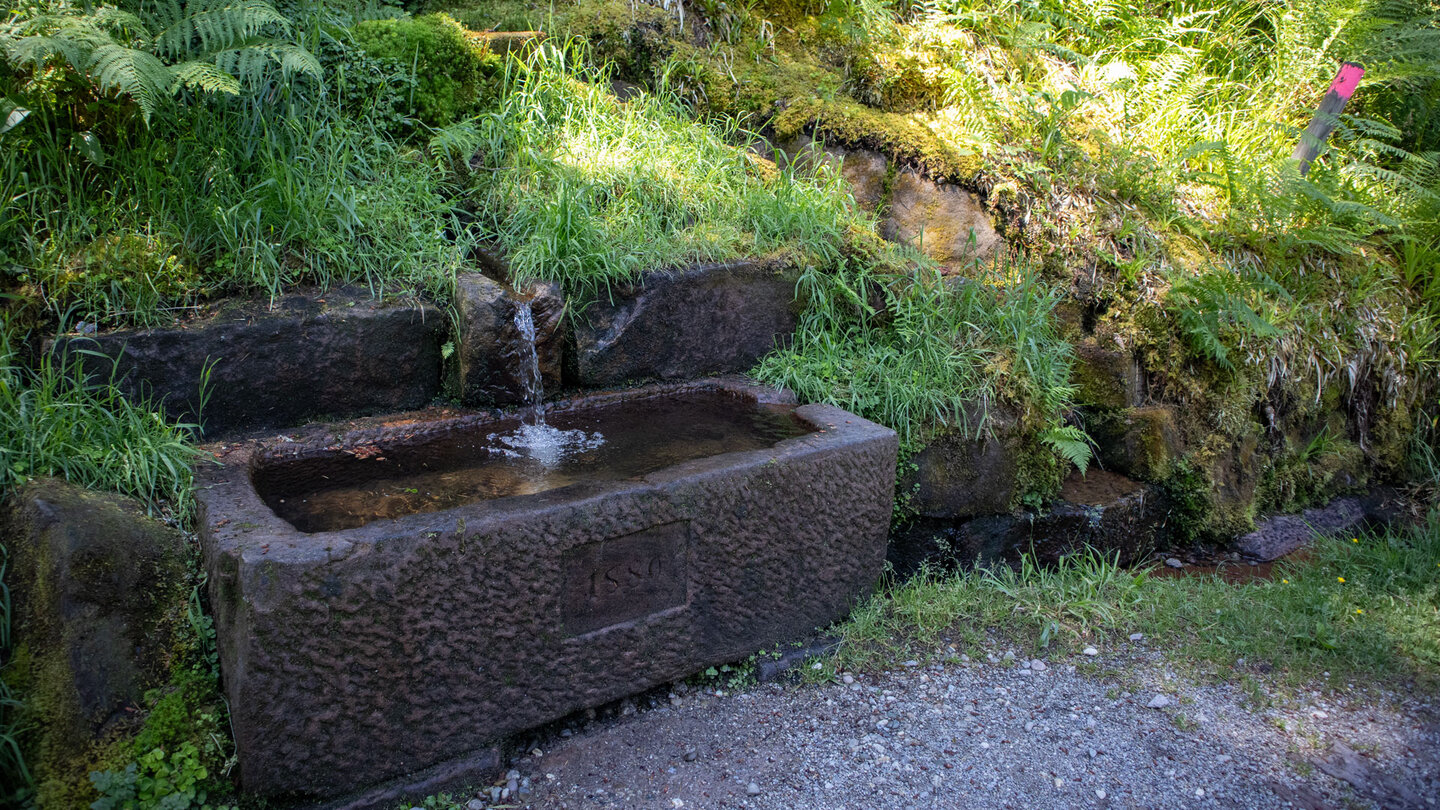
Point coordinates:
pixel 1363 607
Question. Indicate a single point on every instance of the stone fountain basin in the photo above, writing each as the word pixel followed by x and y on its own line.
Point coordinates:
pixel 357 656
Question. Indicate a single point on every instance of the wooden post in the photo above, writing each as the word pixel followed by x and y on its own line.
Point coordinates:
pixel 1327 114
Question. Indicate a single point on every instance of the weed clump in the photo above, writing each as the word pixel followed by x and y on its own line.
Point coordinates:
pixel 450 68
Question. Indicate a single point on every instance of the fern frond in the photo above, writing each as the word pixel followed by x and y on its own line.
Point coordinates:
pixel 206 26
pixel 250 63
pixel 200 75
pixel 133 72
pixel 1070 443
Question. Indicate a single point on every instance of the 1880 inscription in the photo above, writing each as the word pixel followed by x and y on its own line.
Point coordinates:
pixel 624 578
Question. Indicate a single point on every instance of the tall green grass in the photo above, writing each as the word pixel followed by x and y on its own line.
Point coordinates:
pixel 578 187
pixel 918 352
pixel 56 420
pixel 1363 606
pixel 273 186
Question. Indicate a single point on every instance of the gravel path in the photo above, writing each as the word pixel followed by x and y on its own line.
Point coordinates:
pixel 1079 731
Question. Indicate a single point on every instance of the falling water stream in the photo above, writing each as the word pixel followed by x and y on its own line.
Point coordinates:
pixel 532 386
pixel 535 438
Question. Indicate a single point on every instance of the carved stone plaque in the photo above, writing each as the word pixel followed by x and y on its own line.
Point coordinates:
pixel 624 578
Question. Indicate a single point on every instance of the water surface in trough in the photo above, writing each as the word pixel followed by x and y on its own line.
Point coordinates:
pixel 507 457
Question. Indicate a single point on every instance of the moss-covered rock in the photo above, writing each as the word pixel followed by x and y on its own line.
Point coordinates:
pixel 945 222
pixel 899 81
pixel 99 594
pixel 908 139
pixel 1106 376
pixel 451 65
pixel 1143 443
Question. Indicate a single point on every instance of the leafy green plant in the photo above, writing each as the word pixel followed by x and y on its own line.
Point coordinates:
pixel 374 89
pixel 150 51
pixel 156 782
pixel 449 69
pixel 58 420
pixel 126 277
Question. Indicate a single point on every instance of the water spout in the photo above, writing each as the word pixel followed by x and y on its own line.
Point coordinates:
pixel 532 385
pixel 534 439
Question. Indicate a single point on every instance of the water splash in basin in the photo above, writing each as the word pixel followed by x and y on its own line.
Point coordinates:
pixel 535 438
pixel 505 458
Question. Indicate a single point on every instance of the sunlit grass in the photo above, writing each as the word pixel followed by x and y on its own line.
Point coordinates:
pixel 1364 606
pixel 578 187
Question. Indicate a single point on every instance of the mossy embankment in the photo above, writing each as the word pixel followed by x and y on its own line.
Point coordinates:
pixel 1277 329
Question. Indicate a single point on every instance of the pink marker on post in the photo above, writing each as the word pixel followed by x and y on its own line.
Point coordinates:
pixel 1327 114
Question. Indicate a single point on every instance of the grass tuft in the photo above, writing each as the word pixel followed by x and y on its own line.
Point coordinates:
pixel 1364 607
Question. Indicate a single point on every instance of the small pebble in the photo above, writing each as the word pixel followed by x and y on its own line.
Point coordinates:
pixel 1174 563
pixel 474 804
pixel 1091 651
pixel 1100 794
pixel 691 756
pixel 1038 665
pixel 847 679
pixel 1136 636
pixel 752 789
pixel 1158 702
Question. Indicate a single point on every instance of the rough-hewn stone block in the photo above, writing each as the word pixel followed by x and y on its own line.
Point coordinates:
pixel 310 355
pixel 359 655
pixel 487 341
pixel 959 476
pixel 686 324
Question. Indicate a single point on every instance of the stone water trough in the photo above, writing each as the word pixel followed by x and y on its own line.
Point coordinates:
pixel 383 627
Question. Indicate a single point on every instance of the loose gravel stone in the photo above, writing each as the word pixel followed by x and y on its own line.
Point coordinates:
pixel 1158 702
pixel 954 736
